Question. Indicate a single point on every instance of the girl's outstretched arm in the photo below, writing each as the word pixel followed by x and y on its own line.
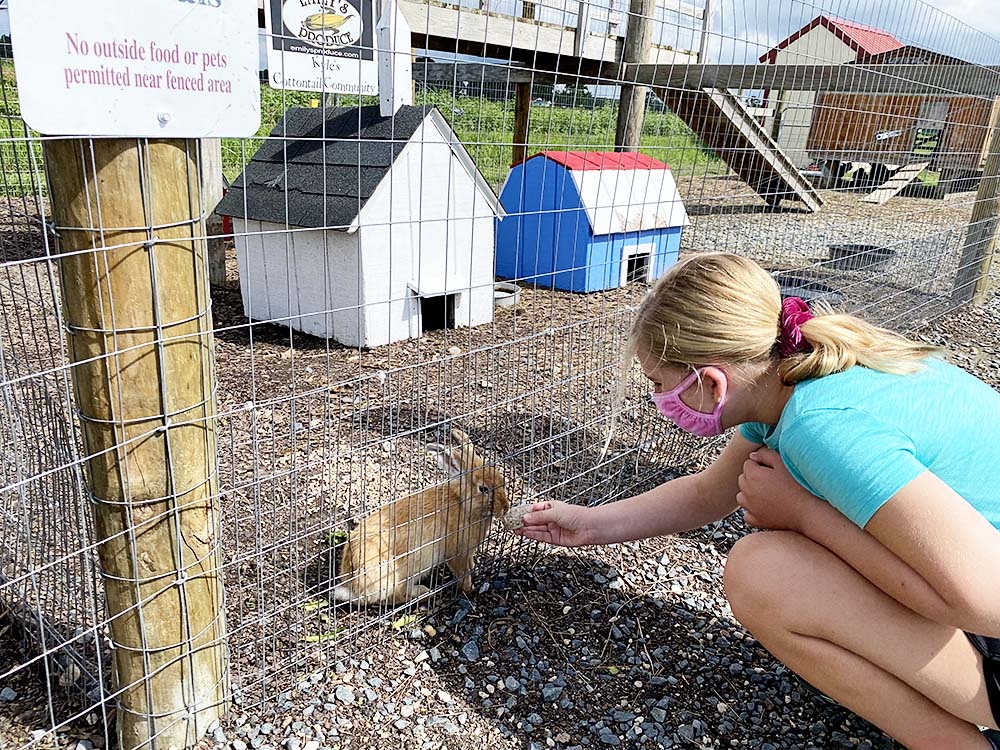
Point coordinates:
pixel 681 504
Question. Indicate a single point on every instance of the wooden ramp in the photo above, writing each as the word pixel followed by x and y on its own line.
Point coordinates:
pixel 723 122
pixel 894 184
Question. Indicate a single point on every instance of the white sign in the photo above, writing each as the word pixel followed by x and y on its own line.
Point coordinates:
pixel 321 45
pixel 159 68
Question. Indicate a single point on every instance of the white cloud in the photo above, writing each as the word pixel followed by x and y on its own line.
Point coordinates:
pixel 981 14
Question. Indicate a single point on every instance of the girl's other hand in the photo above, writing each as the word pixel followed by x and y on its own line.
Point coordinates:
pixel 770 496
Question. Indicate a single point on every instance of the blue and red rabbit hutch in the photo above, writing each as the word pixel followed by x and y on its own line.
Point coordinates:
pixel 583 221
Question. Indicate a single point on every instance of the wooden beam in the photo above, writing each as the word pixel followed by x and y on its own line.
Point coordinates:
pixel 972 281
pixel 632 102
pixel 990 135
pixel 522 114
pixel 883 79
pixel 138 316
pixel 887 79
pixel 212 184
pixel 484 72
pixel 548 47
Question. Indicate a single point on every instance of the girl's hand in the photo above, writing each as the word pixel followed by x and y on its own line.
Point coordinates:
pixel 770 496
pixel 558 523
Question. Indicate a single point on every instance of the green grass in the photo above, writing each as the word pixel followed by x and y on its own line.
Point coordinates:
pixel 485 127
pixel 929 178
pixel 19 158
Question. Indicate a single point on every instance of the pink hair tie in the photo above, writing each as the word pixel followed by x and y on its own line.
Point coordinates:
pixel 794 312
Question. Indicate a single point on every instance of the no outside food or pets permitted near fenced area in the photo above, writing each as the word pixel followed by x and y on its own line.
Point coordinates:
pixel 167 68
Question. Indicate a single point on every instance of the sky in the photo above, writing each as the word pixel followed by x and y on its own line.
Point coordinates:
pixel 745 29
pixel 970 29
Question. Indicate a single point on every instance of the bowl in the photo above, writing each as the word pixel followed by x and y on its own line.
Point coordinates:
pixel 808 289
pixel 506 295
pixel 857 257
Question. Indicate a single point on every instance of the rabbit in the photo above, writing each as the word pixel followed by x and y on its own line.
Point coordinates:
pixel 388 553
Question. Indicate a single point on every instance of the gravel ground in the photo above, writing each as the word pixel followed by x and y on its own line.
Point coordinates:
pixel 631 645
pixel 626 646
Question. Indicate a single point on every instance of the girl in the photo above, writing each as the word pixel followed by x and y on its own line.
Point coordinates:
pixel 875 468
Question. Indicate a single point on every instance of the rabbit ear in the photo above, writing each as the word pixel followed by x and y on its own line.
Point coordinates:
pixel 450 460
pixel 469 457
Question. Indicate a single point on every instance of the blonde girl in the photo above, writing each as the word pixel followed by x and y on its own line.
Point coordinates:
pixel 873 468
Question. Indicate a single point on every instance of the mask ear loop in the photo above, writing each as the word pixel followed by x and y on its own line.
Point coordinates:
pixel 687 382
pixel 696 371
pixel 724 386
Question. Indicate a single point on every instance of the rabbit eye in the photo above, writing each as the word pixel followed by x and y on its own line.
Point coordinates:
pixel 484 489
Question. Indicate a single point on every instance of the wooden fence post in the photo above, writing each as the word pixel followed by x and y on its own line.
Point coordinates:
pixel 632 103
pixel 212 185
pixel 972 279
pixel 136 306
pixel 522 115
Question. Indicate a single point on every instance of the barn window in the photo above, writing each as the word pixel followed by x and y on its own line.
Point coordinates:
pixel 438 312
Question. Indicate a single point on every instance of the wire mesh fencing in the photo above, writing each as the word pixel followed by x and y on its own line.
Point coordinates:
pixel 471 262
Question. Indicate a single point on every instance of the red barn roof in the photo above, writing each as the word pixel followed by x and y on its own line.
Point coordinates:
pixel 865 40
pixel 582 160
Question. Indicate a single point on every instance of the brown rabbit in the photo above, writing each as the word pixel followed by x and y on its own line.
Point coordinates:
pixel 393 548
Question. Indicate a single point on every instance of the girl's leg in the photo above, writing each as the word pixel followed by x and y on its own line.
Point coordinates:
pixel 918 681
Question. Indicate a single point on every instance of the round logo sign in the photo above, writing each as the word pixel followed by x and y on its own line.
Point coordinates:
pixel 324 25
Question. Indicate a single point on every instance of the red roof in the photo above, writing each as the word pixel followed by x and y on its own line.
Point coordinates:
pixel 581 160
pixel 865 40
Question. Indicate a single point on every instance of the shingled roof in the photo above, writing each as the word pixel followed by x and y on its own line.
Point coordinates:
pixel 319 167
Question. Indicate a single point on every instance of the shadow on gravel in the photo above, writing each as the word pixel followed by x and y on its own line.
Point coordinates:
pixel 572 652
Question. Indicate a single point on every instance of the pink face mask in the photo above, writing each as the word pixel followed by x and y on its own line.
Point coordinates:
pixel 699 423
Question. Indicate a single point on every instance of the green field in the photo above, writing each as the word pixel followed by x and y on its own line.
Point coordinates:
pixel 485 127
pixel 20 160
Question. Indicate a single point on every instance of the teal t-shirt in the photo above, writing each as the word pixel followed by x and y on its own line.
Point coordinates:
pixel 857 437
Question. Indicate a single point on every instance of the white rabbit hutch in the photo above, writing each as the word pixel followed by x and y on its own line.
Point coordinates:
pixel 364 229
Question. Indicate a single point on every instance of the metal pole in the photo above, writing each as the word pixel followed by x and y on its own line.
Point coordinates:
pixel 706 29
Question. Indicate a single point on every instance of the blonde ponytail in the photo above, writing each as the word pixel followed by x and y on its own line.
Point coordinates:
pixel 724 309
pixel 840 341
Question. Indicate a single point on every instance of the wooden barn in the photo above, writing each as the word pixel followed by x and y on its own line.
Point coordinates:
pixel 889 131
pixel 825 40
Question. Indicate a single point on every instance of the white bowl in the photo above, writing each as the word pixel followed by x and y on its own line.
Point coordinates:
pixel 506 295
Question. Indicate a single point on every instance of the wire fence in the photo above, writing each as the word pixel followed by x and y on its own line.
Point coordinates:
pixel 380 282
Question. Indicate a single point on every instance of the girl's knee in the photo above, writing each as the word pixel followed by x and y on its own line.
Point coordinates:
pixel 754 571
